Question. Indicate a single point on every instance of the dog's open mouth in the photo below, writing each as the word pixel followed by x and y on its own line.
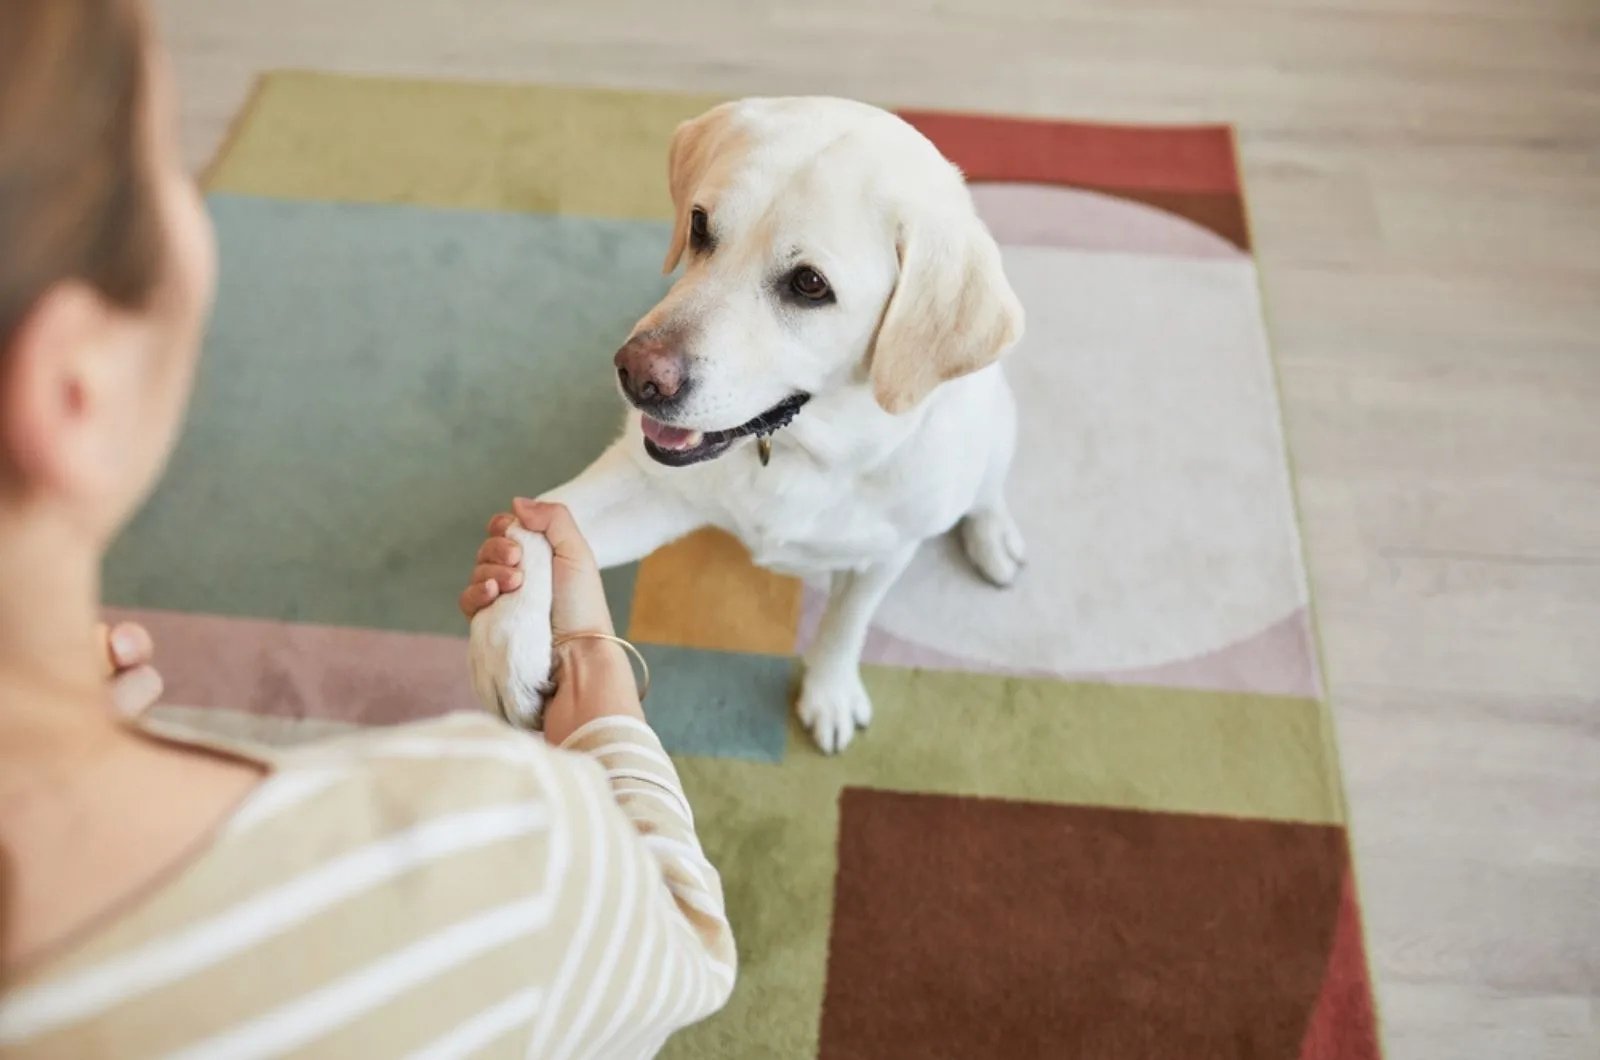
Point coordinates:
pixel 679 447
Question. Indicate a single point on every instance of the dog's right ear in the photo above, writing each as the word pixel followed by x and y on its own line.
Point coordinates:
pixel 693 146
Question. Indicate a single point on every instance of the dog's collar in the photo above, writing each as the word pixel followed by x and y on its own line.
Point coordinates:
pixel 773 421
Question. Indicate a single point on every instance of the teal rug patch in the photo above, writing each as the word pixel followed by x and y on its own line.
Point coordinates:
pixel 377 382
pixel 716 704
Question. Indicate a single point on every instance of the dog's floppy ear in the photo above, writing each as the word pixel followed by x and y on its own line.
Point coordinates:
pixel 693 145
pixel 952 310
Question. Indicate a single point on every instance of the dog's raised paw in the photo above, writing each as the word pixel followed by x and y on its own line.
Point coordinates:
pixel 510 649
pixel 994 544
pixel 832 707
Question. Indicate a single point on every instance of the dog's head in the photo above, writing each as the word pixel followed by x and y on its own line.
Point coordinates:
pixel 825 244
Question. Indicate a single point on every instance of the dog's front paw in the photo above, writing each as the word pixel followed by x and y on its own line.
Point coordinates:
pixel 993 543
pixel 510 645
pixel 833 705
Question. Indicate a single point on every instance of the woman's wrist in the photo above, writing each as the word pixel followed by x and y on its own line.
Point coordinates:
pixel 594 680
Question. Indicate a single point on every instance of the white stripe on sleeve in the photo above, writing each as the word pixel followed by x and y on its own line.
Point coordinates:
pixel 327 1008
pixel 619 918
pixel 282 792
pixel 578 943
pixel 470 1037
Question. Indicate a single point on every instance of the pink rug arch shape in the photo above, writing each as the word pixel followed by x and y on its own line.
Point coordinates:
pixel 1278 660
pixel 1079 219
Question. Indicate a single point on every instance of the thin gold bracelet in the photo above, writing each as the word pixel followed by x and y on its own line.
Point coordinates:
pixel 644 667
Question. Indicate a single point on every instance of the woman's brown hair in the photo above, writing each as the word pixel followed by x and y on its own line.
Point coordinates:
pixel 76 196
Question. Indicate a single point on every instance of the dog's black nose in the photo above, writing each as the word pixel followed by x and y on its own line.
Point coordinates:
pixel 650 371
pixel 646 391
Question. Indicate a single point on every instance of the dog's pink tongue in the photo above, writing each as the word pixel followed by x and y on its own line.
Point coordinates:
pixel 669 437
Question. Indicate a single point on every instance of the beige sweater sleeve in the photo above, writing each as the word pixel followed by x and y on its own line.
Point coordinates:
pixel 677 961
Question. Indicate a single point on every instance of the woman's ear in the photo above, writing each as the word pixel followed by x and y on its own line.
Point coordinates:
pixel 952 310
pixel 50 375
pixel 694 144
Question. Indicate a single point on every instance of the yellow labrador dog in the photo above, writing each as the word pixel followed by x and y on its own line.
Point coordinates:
pixel 822 382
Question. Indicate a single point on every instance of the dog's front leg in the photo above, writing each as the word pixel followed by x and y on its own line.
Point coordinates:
pixel 625 516
pixel 833 701
pixel 624 511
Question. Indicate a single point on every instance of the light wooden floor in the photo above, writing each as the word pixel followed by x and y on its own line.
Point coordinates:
pixel 1424 177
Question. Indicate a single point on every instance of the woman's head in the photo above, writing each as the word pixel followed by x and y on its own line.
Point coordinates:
pixel 106 262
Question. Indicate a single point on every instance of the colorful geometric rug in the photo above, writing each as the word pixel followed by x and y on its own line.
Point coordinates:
pixel 1098 815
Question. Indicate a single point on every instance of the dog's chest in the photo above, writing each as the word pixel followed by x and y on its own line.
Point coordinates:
pixel 797 522
pixel 803 550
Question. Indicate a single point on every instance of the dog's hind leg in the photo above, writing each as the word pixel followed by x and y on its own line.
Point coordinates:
pixel 989 535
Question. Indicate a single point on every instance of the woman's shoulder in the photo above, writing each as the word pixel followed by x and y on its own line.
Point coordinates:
pixel 349 849
pixel 369 802
pixel 380 779
pixel 397 773
pixel 456 736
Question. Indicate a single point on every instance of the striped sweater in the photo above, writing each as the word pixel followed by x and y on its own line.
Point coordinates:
pixel 447 889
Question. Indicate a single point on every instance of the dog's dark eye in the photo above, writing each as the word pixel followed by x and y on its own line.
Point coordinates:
pixel 699 229
pixel 809 284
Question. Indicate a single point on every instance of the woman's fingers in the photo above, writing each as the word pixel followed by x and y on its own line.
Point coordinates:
pixel 502 551
pixel 127 644
pixel 134 691
pixel 508 578
pixel 578 597
pixel 130 645
pixel 496 569
pixel 477 596
pixel 558 527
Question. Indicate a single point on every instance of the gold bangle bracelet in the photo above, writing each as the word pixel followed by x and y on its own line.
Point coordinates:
pixel 644 667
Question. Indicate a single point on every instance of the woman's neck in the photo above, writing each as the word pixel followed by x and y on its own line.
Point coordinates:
pixel 52 671
pixel 91 813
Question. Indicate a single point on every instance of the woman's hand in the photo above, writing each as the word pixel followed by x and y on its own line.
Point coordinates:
pixel 594 677
pixel 498 568
pixel 135 685
pixel 578 599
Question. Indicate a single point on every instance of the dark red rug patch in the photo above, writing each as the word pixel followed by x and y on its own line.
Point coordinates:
pixel 1343 1025
pixel 1188 171
pixel 969 927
